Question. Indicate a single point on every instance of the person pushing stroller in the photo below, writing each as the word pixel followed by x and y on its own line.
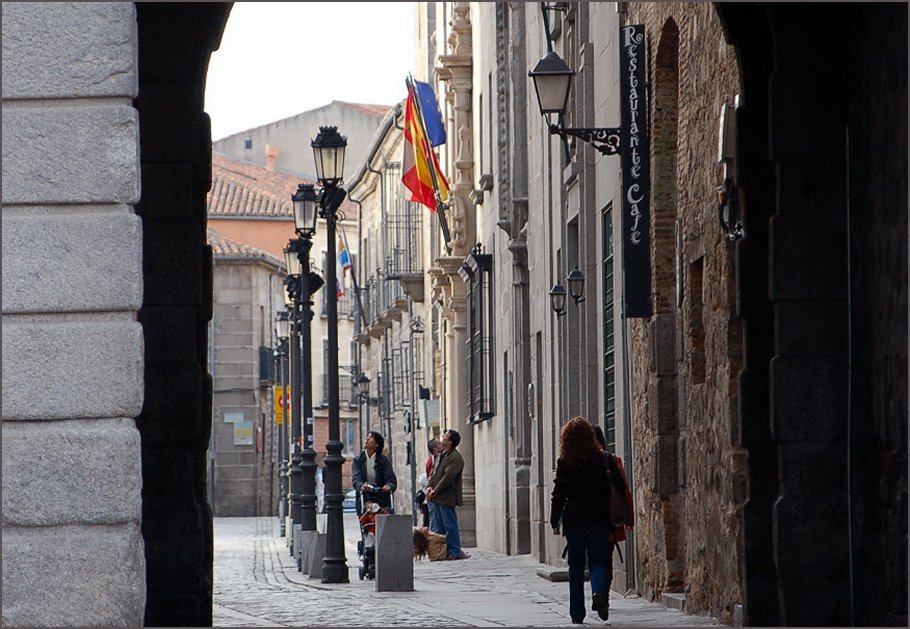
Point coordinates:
pixel 366 547
pixel 372 475
pixel 375 482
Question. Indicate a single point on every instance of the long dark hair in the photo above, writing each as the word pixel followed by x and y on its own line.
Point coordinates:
pixel 380 442
pixel 577 440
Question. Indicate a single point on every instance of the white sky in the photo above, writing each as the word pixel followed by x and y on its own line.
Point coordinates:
pixel 278 59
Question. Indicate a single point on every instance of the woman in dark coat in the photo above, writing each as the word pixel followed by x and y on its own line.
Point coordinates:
pixel 580 510
pixel 373 469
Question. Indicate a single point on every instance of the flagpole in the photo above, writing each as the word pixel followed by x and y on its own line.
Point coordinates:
pixel 344 239
pixel 409 81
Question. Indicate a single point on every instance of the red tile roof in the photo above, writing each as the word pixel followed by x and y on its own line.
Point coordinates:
pixel 226 249
pixel 242 189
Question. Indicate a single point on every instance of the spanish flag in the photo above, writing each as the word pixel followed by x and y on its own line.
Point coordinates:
pixel 421 172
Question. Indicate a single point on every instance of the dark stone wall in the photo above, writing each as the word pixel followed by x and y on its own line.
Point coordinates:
pixel 175 42
pixel 877 91
pixel 686 358
pixel 826 224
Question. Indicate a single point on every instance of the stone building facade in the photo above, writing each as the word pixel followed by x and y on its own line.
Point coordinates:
pixel 699 396
pixel 247 290
pixel 284 145
pixel 251 205
pixel 106 150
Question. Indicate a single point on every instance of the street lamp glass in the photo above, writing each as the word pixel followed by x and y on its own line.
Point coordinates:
pixel 305 209
pixel 576 282
pixel 552 81
pixel 291 259
pixel 328 150
pixel 558 297
pixel 362 385
pixel 281 325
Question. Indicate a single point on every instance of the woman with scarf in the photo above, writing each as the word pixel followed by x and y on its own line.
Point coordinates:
pixel 372 475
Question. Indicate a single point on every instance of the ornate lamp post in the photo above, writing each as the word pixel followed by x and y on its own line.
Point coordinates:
pixel 305 225
pixel 281 333
pixel 328 150
pixel 294 471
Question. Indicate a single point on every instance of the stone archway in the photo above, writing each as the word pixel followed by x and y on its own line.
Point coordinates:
pixel 175 43
pixel 824 384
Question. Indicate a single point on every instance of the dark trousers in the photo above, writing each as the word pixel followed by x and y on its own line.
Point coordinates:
pixel 588 546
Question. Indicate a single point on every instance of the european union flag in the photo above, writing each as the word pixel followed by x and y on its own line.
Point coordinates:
pixel 432 116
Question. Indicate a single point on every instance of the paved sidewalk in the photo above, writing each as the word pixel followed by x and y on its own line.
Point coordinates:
pixel 258 585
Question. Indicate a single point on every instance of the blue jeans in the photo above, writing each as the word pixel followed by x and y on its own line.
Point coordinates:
pixel 449 524
pixel 435 526
pixel 591 541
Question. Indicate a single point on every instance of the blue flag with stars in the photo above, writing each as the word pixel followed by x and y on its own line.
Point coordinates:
pixel 432 117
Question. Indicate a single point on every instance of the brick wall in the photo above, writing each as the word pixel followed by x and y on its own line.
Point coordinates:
pixel 686 360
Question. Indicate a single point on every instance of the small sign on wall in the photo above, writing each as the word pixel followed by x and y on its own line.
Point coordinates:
pixel 233 417
pixel 243 433
pixel 279 404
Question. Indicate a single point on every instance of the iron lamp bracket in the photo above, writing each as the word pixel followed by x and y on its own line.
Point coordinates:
pixel 604 139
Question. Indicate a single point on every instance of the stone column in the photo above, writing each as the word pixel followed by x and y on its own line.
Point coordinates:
pixel 73 374
pixel 456 70
pixel 455 312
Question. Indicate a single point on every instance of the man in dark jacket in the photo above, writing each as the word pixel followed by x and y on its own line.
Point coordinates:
pixel 444 488
pixel 372 474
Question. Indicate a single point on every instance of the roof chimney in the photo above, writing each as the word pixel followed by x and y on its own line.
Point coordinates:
pixel 271 154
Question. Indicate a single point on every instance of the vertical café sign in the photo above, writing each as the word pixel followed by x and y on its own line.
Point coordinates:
pixel 636 172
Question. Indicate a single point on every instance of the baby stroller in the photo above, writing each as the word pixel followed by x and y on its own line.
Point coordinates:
pixel 366 547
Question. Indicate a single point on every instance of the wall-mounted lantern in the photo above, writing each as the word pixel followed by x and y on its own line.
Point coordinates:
pixel 362 390
pixel 728 210
pixel 553 81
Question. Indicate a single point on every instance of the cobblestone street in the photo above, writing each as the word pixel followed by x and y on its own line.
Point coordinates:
pixel 258 585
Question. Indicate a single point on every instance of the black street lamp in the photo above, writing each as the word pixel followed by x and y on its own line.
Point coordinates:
pixel 304 200
pixel 362 390
pixel 552 78
pixel 576 282
pixel 294 472
pixel 328 150
pixel 281 351
pixel 558 299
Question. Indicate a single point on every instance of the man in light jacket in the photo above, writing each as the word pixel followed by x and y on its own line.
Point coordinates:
pixel 445 490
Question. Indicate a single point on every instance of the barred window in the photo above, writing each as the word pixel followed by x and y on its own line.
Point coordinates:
pixel 403 226
pixel 609 375
pixel 477 273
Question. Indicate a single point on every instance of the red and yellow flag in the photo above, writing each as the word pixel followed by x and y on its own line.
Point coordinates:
pixel 420 168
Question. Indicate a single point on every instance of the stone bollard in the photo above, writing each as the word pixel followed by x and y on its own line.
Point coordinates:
pixel 394 554
pixel 308 540
pixel 317 554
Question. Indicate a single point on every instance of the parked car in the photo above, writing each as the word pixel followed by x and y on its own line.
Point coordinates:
pixel 349 504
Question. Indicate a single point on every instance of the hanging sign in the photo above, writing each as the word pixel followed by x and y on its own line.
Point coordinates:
pixel 636 172
pixel 279 404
